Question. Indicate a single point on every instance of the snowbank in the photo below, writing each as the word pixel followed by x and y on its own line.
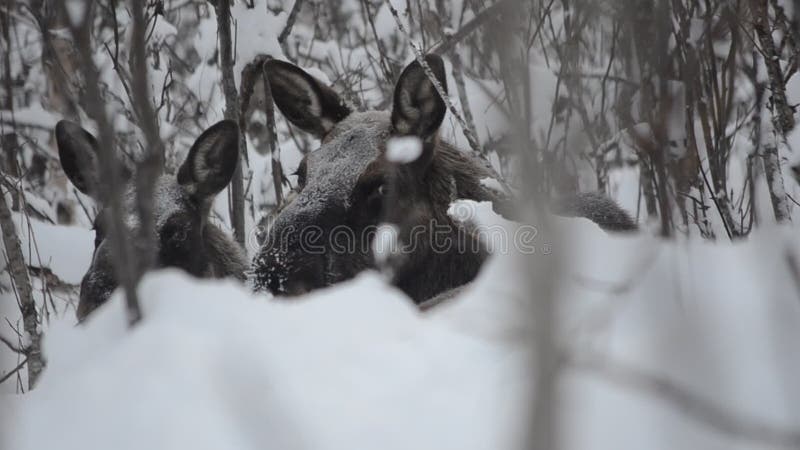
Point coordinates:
pixel 213 367
pixel 65 252
pixel 667 345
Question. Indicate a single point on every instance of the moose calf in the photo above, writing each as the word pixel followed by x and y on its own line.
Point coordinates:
pixel 181 205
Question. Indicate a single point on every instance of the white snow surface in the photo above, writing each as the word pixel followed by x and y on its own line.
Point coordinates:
pixel 257 31
pixel 212 366
pixel 493 184
pixel 33 116
pixel 65 250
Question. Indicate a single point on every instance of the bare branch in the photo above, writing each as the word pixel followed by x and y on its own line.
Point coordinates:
pixel 125 265
pixel 19 274
pixel 458 76
pixel 152 162
pixel 290 21
pixel 231 113
pixel 472 139
pixel 14 371
pixel 450 41
pixel 12 346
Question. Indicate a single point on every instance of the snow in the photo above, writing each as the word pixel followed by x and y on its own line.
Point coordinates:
pixel 33 116
pixel 385 24
pixel 357 366
pixel 161 30
pixel 493 184
pixel 205 40
pixel 489 117
pixel 255 403
pixel 500 236
pixel 403 149
pixel 66 250
pixel 256 33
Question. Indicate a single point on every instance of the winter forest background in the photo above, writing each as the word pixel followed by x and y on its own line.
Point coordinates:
pixel 682 335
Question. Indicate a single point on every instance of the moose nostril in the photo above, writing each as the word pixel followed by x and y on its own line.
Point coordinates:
pixel 295 288
pixel 288 273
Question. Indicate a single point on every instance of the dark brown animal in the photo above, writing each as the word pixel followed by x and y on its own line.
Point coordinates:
pixel 348 186
pixel 185 238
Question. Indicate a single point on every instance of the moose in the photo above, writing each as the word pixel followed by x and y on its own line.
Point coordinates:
pixel 181 206
pixel 348 182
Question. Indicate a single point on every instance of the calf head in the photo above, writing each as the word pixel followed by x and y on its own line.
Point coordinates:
pixel 180 208
pixel 348 186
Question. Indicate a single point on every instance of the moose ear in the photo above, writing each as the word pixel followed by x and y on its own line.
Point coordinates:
pixel 77 151
pixel 211 161
pixel 304 101
pixel 418 109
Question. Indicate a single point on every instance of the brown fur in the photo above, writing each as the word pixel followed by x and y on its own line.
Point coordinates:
pixel 226 257
pixel 349 184
pixel 181 204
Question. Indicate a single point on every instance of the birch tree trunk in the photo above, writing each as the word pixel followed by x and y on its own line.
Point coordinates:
pixel 782 115
pixel 22 282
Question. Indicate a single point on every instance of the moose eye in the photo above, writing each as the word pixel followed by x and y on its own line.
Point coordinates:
pixel 376 196
pixel 174 234
pixel 178 235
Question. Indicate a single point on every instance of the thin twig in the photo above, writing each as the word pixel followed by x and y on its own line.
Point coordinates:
pixel 12 347
pixel 14 371
pixel 450 41
pixel 458 76
pixel 290 21
pixel 473 142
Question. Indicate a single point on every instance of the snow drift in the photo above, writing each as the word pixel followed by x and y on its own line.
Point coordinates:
pixel 666 345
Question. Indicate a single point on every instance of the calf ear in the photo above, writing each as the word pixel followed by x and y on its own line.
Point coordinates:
pixel 304 101
pixel 77 151
pixel 211 161
pixel 418 109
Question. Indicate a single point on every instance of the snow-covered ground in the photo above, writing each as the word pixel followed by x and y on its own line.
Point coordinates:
pixel 666 345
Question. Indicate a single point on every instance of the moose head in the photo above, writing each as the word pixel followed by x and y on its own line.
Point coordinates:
pixel 181 206
pixel 348 186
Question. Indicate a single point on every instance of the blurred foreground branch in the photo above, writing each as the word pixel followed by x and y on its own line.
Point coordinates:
pixel 689 403
pixel 152 162
pixel 110 167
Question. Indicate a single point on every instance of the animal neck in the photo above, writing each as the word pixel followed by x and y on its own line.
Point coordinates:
pixel 455 256
pixel 440 269
pixel 456 175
